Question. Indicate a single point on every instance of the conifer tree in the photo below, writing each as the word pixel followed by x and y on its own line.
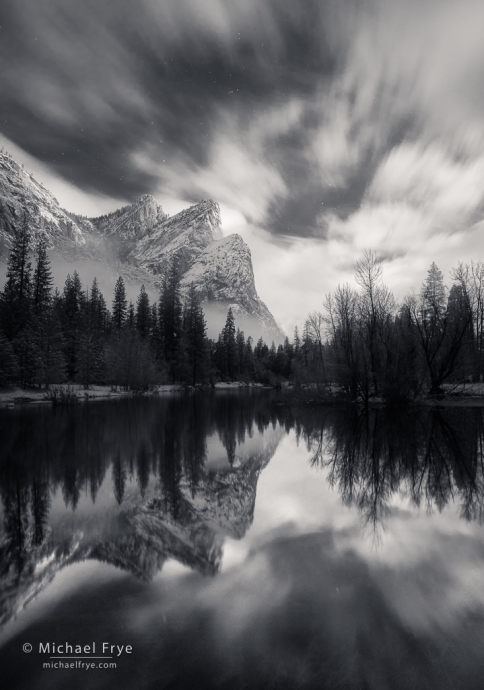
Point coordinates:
pixel 120 304
pixel 248 366
pixel 297 344
pixel 154 325
pixel 143 313
pixel 131 317
pixel 43 280
pixel 72 304
pixel 16 297
pixel 170 320
pixel 230 345
pixel 97 310
pixel 433 294
pixel 240 345
pixel 194 334
pixel 51 343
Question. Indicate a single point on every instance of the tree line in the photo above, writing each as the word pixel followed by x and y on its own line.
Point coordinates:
pixel 49 337
pixel 370 346
pixel 362 344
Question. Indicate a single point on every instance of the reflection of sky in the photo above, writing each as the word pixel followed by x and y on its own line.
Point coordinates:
pixel 308 596
pixel 413 545
pixel 252 445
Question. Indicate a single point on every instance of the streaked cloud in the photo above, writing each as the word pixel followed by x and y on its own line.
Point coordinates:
pixel 325 127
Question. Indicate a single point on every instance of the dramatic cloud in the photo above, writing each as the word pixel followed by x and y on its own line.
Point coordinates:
pixel 323 126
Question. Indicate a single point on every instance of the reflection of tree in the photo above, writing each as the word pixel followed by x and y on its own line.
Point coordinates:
pixel 73 448
pixel 119 478
pixel 169 467
pixel 432 456
pixel 153 451
pixel 143 467
pixel 15 505
pixel 40 498
pixel 194 444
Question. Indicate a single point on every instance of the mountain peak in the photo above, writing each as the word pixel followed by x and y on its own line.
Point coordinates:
pixel 140 240
pixel 206 212
pixel 132 222
pixel 145 199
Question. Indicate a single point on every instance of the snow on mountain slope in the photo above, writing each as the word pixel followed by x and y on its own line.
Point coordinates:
pixel 131 222
pixel 223 275
pixel 20 192
pixel 140 241
pixel 183 236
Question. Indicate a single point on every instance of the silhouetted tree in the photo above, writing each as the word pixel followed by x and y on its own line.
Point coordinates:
pixel 143 313
pixel 15 300
pixel 120 304
pixel 43 280
pixel 194 337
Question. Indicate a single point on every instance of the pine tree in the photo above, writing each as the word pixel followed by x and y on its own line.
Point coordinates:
pixel 194 335
pixel 219 357
pixel 16 297
pixel 120 304
pixel 90 355
pixel 51 343
pixel 170 321
pixel 131 317
pixel 98 313
pixel 72 304
pixel 248 366
pixel 297 344
pixel 230 345
pixel 154 331
pixel 240 344
pixel 433 294
pixel 43 281
pixel 143 313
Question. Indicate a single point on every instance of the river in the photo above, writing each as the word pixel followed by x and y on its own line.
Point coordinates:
pixel 224 540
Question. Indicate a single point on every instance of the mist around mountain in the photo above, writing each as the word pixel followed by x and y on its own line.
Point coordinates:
pixel 139 242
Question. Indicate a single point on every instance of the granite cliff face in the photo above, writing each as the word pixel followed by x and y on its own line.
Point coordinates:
pixel 183 236
pixel 131 222
pixel 20 192
pixel 140 241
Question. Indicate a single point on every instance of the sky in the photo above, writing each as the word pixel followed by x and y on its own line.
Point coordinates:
pixel 322 127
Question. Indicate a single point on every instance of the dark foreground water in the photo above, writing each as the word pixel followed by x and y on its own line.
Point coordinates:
pixel 233 543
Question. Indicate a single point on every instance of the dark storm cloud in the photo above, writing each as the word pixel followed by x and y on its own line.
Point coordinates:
pixel 312 118
pixel 85 85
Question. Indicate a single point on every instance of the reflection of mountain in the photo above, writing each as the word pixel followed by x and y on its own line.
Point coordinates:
pixel 167 503
pixel 137 482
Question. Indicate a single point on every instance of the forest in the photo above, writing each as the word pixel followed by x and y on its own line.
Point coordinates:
pixel 363 345
pixel 50 337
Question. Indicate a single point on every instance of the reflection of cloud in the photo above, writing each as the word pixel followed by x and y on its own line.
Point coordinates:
pixel 437 585
pixel 297 612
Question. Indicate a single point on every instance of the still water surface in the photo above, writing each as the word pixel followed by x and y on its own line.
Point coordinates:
pixel 235 543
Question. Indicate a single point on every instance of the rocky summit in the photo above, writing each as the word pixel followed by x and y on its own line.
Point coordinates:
pixel 140 241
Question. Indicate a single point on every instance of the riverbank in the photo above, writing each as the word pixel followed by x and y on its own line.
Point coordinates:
pixel 454 395
pixel 13 396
